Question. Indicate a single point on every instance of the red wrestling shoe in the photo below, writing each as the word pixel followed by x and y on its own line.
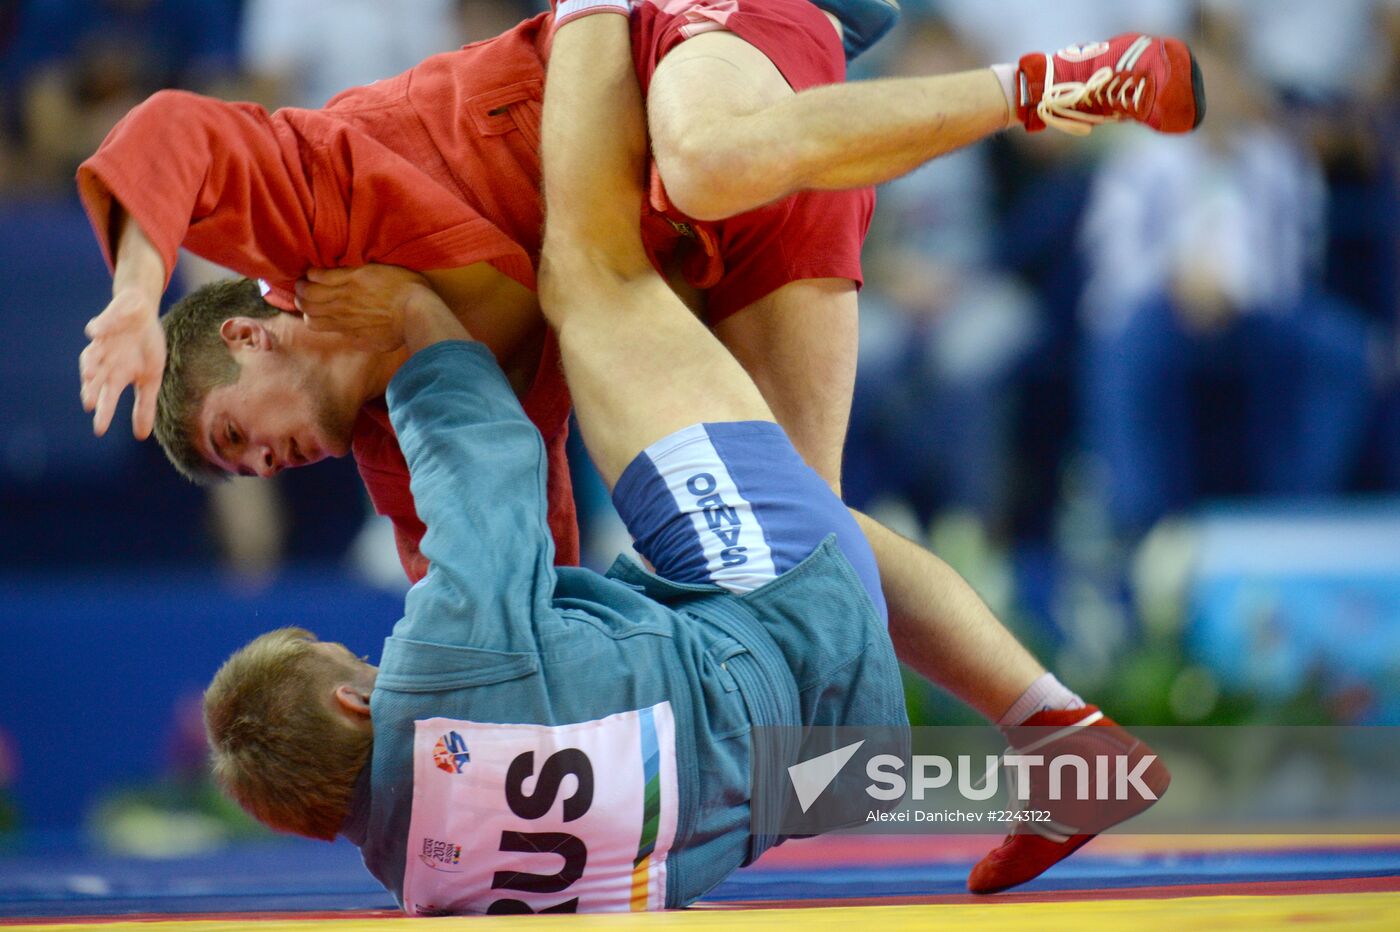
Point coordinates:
pixel 1151 80
pixel 1034 847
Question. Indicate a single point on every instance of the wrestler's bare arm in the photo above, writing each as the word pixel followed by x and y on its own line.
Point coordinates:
pixel 127 345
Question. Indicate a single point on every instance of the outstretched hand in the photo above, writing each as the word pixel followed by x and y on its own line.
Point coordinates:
pixel 127 348
pixel 368 304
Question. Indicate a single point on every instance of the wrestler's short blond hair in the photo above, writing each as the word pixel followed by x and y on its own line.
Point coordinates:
pixel 277 748
pixel 197 361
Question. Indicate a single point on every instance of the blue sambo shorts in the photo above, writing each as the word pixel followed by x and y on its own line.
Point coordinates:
pixel 734 505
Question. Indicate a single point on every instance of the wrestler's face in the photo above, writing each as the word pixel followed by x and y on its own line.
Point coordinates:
pixel 283 411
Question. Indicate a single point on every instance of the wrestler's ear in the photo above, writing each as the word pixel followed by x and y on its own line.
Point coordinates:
pixel 245 333
pixel 353 703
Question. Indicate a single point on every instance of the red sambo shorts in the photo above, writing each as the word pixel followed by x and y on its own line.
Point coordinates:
pixel 812 234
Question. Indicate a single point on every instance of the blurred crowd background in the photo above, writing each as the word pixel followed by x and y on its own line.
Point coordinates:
pixel 1142 391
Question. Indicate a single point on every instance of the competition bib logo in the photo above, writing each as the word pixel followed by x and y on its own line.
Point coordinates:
pixel 440 855
pixel 450 753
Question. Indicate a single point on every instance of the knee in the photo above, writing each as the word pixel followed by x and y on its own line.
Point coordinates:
pixel 558 267
pixel 706 175
pixel 577 280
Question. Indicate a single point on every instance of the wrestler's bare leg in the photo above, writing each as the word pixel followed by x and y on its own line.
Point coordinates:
pixel 729 134
pixel 806 377
pixel 806 373
pixel 640 365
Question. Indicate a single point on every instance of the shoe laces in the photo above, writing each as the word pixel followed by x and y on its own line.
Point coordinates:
pixel 1060 105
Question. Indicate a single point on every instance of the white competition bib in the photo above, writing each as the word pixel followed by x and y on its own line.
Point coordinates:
pixel 540 818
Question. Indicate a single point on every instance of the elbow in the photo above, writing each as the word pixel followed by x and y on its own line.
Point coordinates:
pixel 167 104
pixel 165 97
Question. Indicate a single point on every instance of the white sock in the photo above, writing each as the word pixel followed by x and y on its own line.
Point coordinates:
pixel 1006 74
pixel 1045 693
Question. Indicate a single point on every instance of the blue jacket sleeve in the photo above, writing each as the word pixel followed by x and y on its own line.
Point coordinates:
pixel 477 469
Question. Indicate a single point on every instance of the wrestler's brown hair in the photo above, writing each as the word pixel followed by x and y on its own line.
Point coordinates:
pixel 198 361
pixel 276 746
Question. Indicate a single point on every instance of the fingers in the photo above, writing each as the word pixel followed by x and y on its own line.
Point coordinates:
pixel 102 389
pixel 360 273
pixel 311 293
pixel 143 415
pixel 106 406
pixel 127 348
pixel 105 323
pixel 91 373
pixel 329 309
pixel 143 412
pixel 334 311
pixel 330 320
pixel 323 323
pixel 363 304
pixel 330 276
pixel 368 284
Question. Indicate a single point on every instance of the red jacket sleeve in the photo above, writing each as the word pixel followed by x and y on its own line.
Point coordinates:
pixel 223 178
